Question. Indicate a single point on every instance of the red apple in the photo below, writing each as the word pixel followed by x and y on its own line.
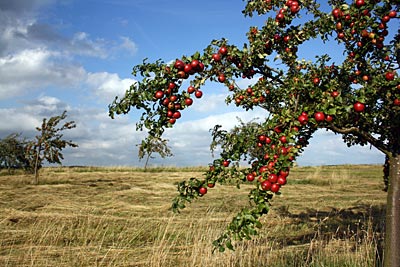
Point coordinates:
pixel 191 89
pixel 188 101
pixel 226 163
pixel 319 116
pixel 221 78
pixel 198 94
pixel 159 94
pixel 203 190
pixel 389 76
pixel 359 107
pixel 275 188
pixel 266 185
pixel 216 57
pixel 223 50
pixel 250 177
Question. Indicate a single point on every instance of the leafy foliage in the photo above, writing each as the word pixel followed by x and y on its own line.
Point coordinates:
pixel 12 152
pixel 356 96
pixel 48 144
pixel 154 145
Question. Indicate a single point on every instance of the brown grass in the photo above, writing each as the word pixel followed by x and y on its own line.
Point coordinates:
pixel 90 216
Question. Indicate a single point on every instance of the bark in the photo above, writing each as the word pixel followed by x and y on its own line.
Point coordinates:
pixel 392 232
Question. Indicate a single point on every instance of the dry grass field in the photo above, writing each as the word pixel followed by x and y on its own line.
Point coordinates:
pixel 87 216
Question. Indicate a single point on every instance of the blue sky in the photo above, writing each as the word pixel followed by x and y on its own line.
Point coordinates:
pixel 78 55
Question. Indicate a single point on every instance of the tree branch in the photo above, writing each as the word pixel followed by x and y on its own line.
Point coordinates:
pixel 369 138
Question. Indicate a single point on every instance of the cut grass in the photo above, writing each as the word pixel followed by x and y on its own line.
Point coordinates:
pixel 92 216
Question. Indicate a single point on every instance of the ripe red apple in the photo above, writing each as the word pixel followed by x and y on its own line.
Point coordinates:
pixel 250 177
pixel 210 185
pixel 303 119
pixel 316 81
pixel 200 67
pixel 262 138
pixel 216 57
pixel 194 64
pixel 159 94
pixel 172 120
pixel 223 50
pixel 396 102
pixel 281 180
pixel 203 190
pixel 283 139
pixel 176 115
pixel 278 129
pixel 329 118
pixel 226 163
pixel 337 13
pixel 188 101
pixel 268 140
pixel 319 116
pixel 389 76
pixel 360 3
pixel 284 173
pixel 191 89
pixel 392 14
pixel 385 19
pixel 198 94
pixel 266 185
pixel 294 8
pixel 275 188
pixel 263 169
pixel 171 85
pixel 188 68
pixel 335 94
pixel 272 177
pixel 179 64
pixel 359 107
pixel 221 78
pixel 182 74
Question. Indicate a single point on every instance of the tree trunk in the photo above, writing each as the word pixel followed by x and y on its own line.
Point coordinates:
pixel 36 167
pixel 392 228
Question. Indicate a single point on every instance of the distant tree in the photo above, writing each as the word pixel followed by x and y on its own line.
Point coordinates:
pixel 12 152
pixel 48 144
pixel 153 145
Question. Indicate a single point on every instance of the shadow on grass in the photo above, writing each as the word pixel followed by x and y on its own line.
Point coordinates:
pixel 361 223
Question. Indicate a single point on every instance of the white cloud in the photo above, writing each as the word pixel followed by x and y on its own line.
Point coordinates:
pixel 32 69
pixel 326 148
pixel 108 85
pixel 128 45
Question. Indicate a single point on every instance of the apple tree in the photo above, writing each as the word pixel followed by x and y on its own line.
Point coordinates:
pixel 355 94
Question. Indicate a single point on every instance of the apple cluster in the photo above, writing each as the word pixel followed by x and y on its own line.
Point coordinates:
pixel 170 98
pixel 359 39
pixel 292 7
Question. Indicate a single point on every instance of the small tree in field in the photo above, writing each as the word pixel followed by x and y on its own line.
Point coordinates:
pixel 12 153
pixel 357 96
pixel 48 145
pixel 153 145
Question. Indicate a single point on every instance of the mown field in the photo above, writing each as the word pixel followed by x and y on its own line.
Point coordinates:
pixel 326 216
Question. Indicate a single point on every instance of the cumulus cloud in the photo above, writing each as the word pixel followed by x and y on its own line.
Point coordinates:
pixel 327 148
pixel 108 85
pixel 128 45
pixel 32 69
